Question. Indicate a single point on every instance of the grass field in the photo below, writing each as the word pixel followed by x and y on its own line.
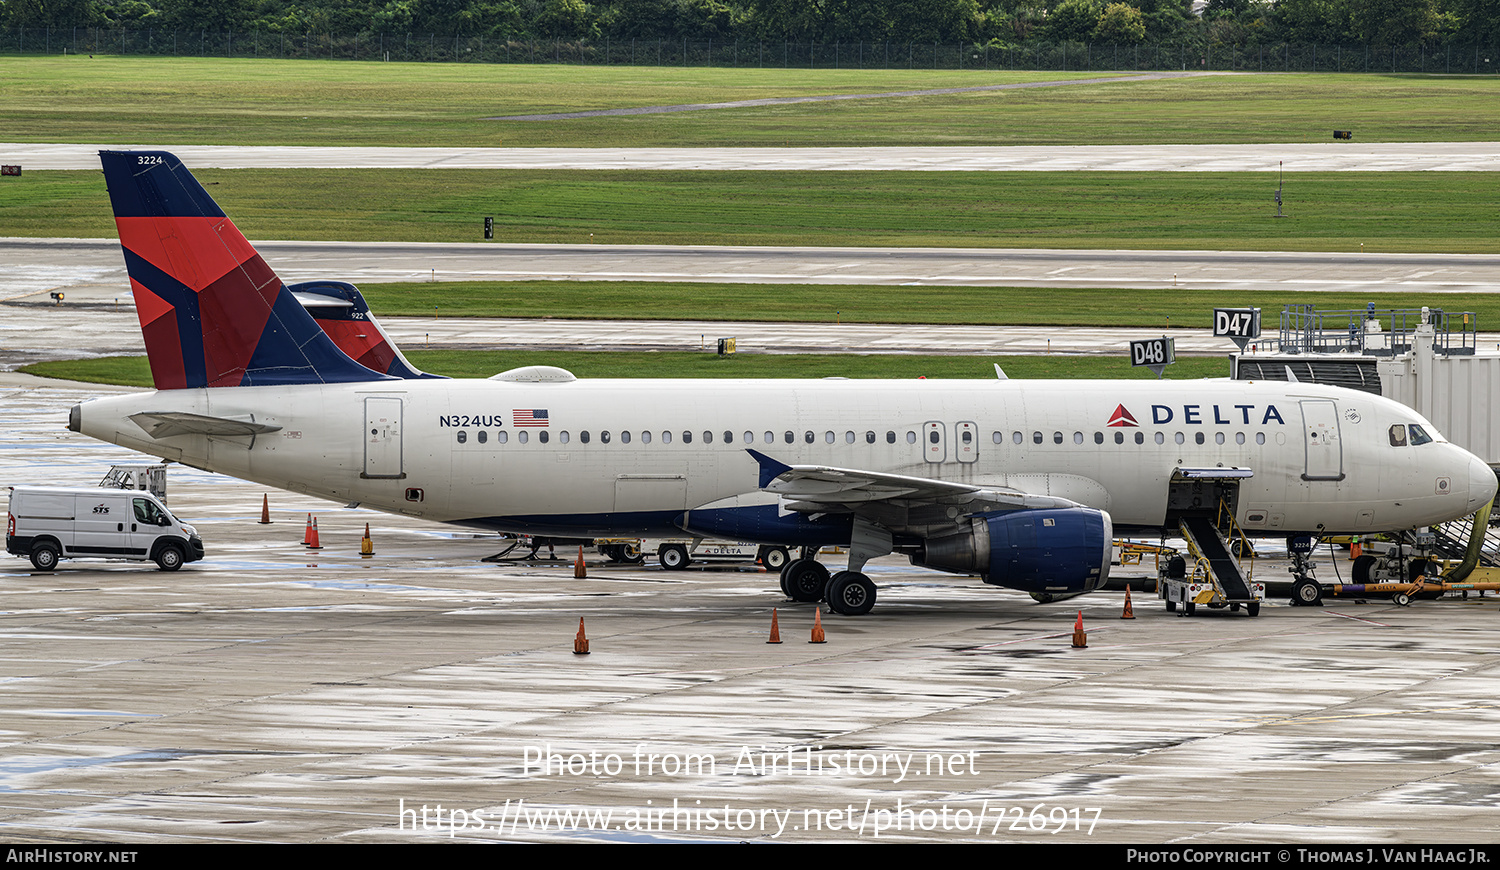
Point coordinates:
pixel 1384 211
pixel 139 100
pixel 867 303
pixel 134 371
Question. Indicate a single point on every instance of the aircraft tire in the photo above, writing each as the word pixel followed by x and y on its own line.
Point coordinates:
pixel 806 581
pixel 1307 593
pixel 1360 573
pixel 851 593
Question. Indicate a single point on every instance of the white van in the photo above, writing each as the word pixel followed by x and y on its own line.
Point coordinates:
pixel 52 523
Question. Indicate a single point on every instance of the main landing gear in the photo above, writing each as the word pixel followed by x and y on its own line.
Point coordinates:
pixel 805 579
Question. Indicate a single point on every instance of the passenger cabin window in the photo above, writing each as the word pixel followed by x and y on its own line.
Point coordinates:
pixel 687 437
pixel 604 437
pixel 584 436
pixel 542 436
pixel 890 437
pixel 462 436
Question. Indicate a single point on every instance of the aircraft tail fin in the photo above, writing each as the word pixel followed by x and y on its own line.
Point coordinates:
pixel 342 312
pixel 212 312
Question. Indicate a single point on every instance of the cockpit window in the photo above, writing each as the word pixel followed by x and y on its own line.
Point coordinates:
pixel 1398 435
pixel 1419 435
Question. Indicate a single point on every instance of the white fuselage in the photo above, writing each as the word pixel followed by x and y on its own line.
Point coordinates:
pixel 628 456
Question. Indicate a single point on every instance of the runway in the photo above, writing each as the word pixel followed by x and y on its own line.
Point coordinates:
pixel 1269 157
pixel 94 269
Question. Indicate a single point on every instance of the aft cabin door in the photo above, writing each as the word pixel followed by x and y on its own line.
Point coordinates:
pixel 383 438
pixel 1325 453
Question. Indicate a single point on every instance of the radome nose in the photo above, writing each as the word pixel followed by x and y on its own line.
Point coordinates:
pixel 1482 483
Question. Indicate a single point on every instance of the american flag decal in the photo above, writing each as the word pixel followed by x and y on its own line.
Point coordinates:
pixel 529 417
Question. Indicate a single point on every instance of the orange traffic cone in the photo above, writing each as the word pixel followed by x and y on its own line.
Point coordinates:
pixel 307 532
pixel 367 544
pixel 775 632
pixel 1080 639
pixel 580 641
pixel 315 545
pixel 265 510
pixel 579 572
pixel 1129 611
pixel 817 632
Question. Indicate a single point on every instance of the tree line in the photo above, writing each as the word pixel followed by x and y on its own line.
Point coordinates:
pixel 996 23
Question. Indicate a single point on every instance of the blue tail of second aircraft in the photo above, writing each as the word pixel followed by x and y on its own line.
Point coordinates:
pixel 212 312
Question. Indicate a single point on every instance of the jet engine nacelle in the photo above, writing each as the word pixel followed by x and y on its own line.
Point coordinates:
pixel 1060 551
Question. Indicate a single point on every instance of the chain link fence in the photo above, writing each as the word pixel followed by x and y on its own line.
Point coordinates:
pixel 1183 54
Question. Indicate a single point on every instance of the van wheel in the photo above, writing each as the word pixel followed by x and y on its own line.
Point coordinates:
pixel 169 559
pixel 44 556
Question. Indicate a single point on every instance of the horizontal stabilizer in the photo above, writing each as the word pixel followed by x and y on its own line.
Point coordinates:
pixel 165 424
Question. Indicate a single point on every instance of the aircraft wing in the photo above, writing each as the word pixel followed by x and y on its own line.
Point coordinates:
pixel 819 488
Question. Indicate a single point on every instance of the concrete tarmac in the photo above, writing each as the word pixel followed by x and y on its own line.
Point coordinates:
pixel 275 694
pixel 94 269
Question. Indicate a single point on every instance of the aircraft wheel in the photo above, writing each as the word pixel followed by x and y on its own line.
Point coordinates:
pixel 851 593
pixel 774 558
pixel 806 581
pixel 1307 593
pixel 44 556
pixel 1360 573
pixel 673 557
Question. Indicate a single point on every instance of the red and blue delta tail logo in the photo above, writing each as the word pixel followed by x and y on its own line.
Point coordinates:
pixel 1121 418
pixel 212 312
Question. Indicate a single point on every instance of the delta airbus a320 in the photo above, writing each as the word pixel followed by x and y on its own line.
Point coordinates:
pixel 1021 482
